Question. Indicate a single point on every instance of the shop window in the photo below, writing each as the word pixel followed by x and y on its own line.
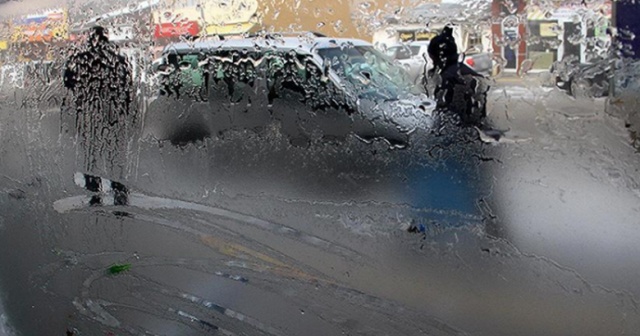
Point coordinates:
pixel 545 52
pixel 475 40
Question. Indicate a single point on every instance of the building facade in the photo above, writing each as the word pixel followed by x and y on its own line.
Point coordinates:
pixel 508 28
pixel 574 30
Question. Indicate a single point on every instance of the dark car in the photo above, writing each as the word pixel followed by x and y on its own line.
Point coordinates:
pixel 582 79
pixel 310 86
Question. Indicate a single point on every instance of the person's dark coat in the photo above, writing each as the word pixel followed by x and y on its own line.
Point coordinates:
pixel 461 89
pixel 443 50
pixel 99 79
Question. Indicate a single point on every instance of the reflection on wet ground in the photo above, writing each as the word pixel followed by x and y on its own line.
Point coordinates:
pixel 4 326
pixel 531 234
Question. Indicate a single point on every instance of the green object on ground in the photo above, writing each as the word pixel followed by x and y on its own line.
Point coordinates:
pixel 119 268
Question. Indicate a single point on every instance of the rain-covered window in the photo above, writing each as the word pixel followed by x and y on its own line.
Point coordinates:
pixel 306 167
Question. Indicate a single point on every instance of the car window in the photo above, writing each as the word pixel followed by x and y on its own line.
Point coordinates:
pixel 415 50
pixel 370 72
pixel 233 71
pixel 299 74
pixel 400 52
pixel 185 75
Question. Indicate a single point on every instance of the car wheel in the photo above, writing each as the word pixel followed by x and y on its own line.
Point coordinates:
pixel 561 84
pixel 576 89
pixel 604 89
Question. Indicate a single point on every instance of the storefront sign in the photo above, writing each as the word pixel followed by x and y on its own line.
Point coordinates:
pixel 4 45
pixel 42 27
pixel 406 36
pixel 217 17
pixel 177 29
pixel 413 35
pixel 424 36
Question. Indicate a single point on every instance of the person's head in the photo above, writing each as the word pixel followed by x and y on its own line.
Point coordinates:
pixel 97 36
pixel 443 50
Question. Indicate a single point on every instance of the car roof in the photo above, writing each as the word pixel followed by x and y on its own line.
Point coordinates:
pixel 301 43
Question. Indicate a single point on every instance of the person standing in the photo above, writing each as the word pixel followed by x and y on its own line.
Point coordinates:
pixel 100 81
pixel 101 84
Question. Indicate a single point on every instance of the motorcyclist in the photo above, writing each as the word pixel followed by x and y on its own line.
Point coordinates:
pixel 460 89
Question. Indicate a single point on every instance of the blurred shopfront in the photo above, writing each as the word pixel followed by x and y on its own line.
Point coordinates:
pixel 577 31
pixel 34 46
pixel 5 35
pixel 178 19
pixel 508 28
pixel 36 37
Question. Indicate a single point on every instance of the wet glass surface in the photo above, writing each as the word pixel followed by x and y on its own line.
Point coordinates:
pixel 277 174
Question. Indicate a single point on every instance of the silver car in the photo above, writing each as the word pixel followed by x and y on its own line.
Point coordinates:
pixel 480 62
pixel 413 57
pixel 311 86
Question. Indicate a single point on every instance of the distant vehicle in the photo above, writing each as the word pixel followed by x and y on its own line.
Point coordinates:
pixel 412 57
pixel 582 79
pixel 625 100
pixel 471 44
pixel 308 84
pixel 481 62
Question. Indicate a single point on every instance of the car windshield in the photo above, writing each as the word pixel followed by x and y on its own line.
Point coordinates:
pixel 369 71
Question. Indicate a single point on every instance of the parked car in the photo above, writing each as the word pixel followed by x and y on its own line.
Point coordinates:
pixel 624 100
pixel 310 85
pixel 582 79
pixel 481 62
pixel 413 57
